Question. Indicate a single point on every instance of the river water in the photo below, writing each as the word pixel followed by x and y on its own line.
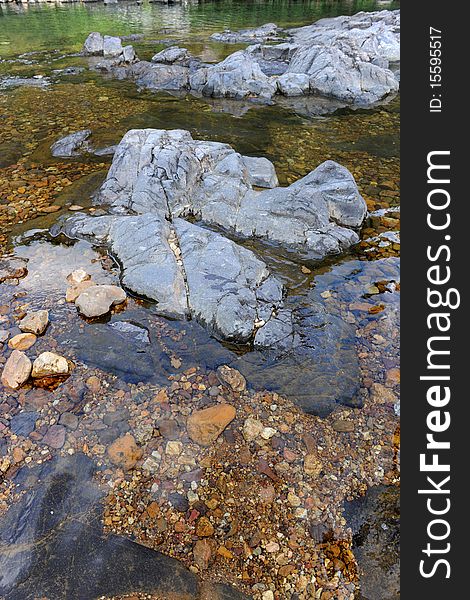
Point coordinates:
pixel 40 41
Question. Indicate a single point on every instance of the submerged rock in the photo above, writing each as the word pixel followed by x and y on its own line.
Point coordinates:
pixel 124 452
pixel 375 523
pixel 72 145
pixel 56 528
pixel 12 268
pixel 205 426
pixel 22 341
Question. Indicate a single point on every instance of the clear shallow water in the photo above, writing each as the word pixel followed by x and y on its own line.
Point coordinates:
pixel 27 28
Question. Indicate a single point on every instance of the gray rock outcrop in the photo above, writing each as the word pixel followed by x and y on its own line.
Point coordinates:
pixel 157 178
pixel 345 58
pixel 189 271
pixel 167 172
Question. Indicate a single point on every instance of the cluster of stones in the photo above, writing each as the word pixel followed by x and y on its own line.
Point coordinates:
pixel 91 299
pixel 19 368
pixel 346 58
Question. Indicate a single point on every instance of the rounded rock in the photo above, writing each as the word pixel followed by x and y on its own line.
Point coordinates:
pixel 22 341
pixel 49 364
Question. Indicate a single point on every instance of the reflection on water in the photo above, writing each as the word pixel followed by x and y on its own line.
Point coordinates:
pixel 32 28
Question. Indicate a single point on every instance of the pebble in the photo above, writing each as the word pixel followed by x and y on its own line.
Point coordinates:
pixel 69 420
pixel 17 370
pixel 312 464
pixel 22 341
pixel 343 426
pixel 78 276
pixel 74 291
pixel 204 528
pixel 124 452
pixel 393 377
pixel 231 378
pixel 252 429
pixel 93 383
pixel 268 433
pixel 202 553
pixel 205 426
pixel 49 364
pixel 55 436
pixel 173 448
pixel 35 322
pixel 293 500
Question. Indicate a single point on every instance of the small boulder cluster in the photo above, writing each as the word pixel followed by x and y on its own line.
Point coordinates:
pixel 109 47
pixel 19 367
pixel 91 299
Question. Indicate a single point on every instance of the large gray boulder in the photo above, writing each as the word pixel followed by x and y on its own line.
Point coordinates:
pixel 346 57
pixel 93 45
pixel 340 73
pixel 155 76
pixel 374 35
pixel 169 173
pixel 238 76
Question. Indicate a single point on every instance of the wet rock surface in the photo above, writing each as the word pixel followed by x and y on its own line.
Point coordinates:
pixel 63 534
pixel 375 522
pixel 72 145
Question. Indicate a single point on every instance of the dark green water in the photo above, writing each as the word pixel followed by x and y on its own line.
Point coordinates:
pixel 27 28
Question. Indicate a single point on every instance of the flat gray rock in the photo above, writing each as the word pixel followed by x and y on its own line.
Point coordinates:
pixel 71 145
pixel 264 33
pixel 202 274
